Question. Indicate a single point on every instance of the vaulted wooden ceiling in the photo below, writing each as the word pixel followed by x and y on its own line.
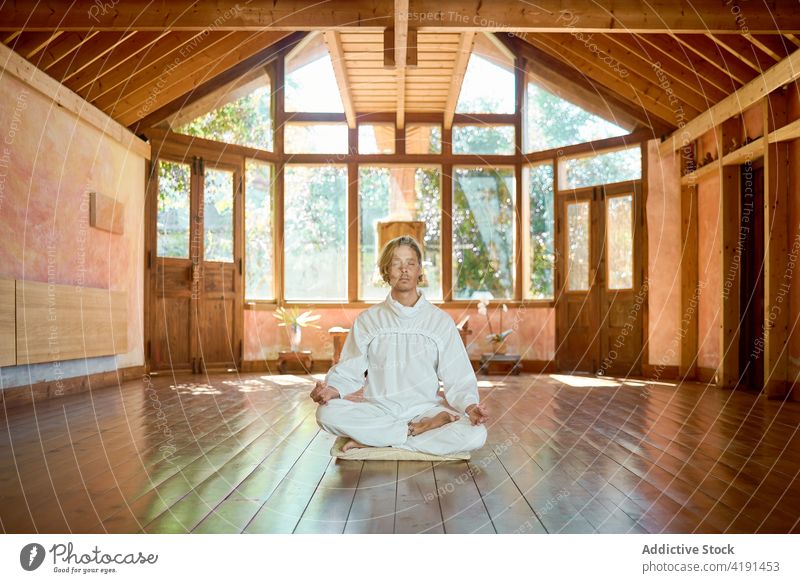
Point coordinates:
pixel 646 64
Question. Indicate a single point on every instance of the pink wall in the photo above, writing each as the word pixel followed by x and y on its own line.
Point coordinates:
pixel 533 337
pixel 664 256
pixel 709 237
pixel 48 161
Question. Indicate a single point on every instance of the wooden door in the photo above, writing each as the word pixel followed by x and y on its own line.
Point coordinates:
pixel 619 283
pixel 195 300
pixel 600 302
pixel 577 340
pixel 219 285
pixel 170 262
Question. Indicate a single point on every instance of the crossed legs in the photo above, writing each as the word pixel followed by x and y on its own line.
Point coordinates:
pixel 437 431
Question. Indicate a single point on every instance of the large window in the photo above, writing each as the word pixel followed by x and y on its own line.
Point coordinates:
pixel 258 212
pixel 172 223
pixel 488 86
pixel 539 181
pixel 553 122
pixel 399 193
pixel 483 232
pixel 244 121
pixel 607 168
pixel 315 232
pixel 310 79
pixel 315 138
pixel 472 139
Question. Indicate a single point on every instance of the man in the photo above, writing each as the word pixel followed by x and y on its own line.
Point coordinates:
pixel 405 345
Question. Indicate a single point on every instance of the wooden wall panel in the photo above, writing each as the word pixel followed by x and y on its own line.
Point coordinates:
pixel 62 322
pixel 8 351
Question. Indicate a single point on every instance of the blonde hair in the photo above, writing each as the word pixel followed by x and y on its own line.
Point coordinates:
pixel 385 259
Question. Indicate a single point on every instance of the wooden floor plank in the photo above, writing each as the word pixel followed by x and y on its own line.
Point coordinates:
pixel 236 453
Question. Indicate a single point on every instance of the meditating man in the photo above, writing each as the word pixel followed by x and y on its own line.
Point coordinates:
pixel 405 344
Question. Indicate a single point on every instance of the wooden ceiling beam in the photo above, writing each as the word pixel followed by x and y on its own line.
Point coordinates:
pixel 89 52
pixel 649 96
pixel 774 45
pixel 28 44
pixel 716 56
pixel 192 94
pixel 205 64
pixel 678 16
pixel 459 70
pixel 334 43
pixel 676 70
pixel 792 39
pixel 783 73
pixel 669 50
pixel 744 50
pixel 60 49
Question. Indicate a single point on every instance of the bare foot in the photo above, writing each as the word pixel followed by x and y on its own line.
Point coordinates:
pixel 352 443
pixel 442 418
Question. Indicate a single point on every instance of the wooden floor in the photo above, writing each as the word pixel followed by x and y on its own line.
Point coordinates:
pixel 231 454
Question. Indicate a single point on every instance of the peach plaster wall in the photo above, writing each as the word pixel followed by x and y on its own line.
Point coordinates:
pixel 533 337
pixel 50 159
pixel 709 272
pixel 663 257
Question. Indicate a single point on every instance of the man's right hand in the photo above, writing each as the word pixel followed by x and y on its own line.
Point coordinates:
pixel 322 393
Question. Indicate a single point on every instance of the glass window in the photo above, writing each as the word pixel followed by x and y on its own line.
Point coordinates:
pixel 218 215
pixel 616 166
pixel 483 232
pixel 488 87
pixel 423 139
pixel 173 209
pixel 315 138
pixel 578 246
pixel 400 193
pixel 471 139
pixel 245 121
pixel 258 212
pixel 315 232
pixel 376 138
pixel 540 194
pixel 552 122
pixel 310 80
pixel 619 229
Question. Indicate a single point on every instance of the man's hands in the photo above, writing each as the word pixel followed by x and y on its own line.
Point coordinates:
pixel 322 393
pixel 478 413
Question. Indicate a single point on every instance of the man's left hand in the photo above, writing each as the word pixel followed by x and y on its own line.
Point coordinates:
pixel 478 413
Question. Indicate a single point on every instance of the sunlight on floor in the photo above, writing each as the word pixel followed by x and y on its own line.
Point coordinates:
pixel 195 389
pixel 576 381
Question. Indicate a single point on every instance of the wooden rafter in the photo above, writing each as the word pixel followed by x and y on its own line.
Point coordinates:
pixel 401 57
pixel 334 42
pixel 679 16
pixel 744 50
pixel 787 71
pixel 792 38
pixel 459 70
pixel 29 44
pixel 88 53
pixel 636 90
pixel 667 49
pixel 713 54
pixel 773 45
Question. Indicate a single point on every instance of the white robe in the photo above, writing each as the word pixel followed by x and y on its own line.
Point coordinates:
pixel 405 351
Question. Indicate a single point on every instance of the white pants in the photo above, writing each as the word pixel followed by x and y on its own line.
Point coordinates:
pixel 372 425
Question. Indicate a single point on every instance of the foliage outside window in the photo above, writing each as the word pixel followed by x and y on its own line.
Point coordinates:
pixel 540 194
pixel 474 139
pixel 483 232
pixel 607 168
pixel 258 212
pixel 218 215
pixel 172 223
pixel 552 122
pixel 399 193
pixel 246 121
pixel 487 87
pixel 310 83
pixel 315 232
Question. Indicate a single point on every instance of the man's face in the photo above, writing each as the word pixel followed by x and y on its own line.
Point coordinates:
pixel 404 269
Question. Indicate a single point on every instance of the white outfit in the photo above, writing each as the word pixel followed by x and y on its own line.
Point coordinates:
pixel 404 351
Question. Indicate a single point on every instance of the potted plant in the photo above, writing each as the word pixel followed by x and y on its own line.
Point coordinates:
pixel 497 340
pixel 295 322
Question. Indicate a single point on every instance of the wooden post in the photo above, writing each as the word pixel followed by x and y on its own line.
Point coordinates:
pixel 689 278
